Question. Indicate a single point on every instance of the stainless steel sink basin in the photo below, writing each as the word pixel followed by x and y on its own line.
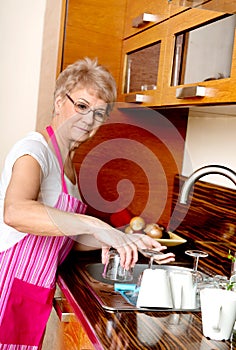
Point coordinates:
pixel 95 271
pixel 112 300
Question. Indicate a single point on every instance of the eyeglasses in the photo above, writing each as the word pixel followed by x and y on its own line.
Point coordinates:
pixel 100 115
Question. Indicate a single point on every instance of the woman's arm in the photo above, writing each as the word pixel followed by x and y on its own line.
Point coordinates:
pixel 21 209
pixel 23 212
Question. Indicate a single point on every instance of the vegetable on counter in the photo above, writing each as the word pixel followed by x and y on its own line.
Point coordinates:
pixel 137 224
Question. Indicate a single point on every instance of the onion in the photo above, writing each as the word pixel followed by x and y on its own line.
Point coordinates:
pixel 128 229
pixel 154 230
pixel 137 223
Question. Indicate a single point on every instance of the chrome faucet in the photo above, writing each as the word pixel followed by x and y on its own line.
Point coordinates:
pixel 206 170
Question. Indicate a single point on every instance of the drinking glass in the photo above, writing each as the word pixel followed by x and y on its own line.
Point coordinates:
pixel 196 254
pixel 114 271
pixel 151 254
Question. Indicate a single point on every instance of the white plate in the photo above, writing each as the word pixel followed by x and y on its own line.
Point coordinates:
pixel 172 241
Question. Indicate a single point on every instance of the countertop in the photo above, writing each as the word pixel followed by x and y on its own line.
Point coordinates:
pixel 141 330
pixel 208 223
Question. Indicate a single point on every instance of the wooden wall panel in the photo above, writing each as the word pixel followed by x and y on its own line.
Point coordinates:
pixel 94 28
pixel 208 222
pixel 210 211
pixel 142 146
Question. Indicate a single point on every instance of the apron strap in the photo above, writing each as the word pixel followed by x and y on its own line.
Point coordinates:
pixel 52 136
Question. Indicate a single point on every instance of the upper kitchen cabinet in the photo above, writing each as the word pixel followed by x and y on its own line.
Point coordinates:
pixel 187 59
pixel 94 28
pixel 200 59
pixel 143 64
pixel 143 14
pixel 227 6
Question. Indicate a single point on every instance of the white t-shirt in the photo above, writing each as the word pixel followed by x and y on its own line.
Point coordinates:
pixel 35 145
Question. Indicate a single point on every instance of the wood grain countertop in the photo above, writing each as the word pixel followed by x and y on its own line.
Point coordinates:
pixel 208 223
pixel 136 330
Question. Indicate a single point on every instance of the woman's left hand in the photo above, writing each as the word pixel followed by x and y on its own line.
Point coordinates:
pixel 160 257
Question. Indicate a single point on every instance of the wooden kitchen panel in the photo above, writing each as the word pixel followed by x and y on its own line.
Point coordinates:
pixel 227 6
pixel 163 9
pixel 211 211
pixel 142 146
pixel 209 220
pixel 74 337
pixel 94 29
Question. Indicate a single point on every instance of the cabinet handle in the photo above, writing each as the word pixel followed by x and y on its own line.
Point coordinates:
pixel 61 307
pixel 137 98
pixel 143 18
pixel 191 91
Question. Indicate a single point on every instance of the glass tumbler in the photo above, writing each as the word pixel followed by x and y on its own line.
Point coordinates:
pixel 114 271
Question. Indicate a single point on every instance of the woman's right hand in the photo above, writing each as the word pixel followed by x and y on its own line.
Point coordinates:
pixel 128 246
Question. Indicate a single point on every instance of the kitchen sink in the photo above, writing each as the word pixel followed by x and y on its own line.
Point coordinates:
pixel 95 271
pixel 113 299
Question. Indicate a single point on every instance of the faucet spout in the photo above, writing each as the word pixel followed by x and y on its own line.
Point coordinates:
pixel 206 170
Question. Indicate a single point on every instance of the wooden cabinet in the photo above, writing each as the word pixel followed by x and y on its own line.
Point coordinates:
pixel 205 66
pixel 195 63
pixel 73 336
pixel 143 64
pixel 142 14
pixel 94 29
pixel 226 6
pixel 64 330
pixel 140 50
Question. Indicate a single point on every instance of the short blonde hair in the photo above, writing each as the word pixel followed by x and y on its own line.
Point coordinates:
pixel 87 73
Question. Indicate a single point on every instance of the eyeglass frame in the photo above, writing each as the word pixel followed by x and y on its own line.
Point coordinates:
pixel 89 110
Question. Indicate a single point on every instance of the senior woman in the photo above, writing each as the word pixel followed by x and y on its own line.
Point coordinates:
pixel 42 214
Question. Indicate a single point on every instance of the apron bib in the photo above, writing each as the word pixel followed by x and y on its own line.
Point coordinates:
pixel 28 275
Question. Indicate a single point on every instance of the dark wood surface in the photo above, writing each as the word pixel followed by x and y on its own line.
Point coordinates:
pixel 143 146
pixel 209 220
pixel 209 225
pixel 130 330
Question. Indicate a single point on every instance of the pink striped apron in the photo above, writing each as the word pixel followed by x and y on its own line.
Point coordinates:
pixel 28 276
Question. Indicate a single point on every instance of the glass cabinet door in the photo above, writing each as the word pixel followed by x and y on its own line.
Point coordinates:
pixel 200 58
pixel 188 58
pixel 203 53
pixel 142 68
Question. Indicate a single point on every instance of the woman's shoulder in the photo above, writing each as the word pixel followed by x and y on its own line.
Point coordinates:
pixel 32 138
pixel 32 144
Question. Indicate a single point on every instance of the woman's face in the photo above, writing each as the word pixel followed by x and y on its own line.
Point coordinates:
pixel 80 115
